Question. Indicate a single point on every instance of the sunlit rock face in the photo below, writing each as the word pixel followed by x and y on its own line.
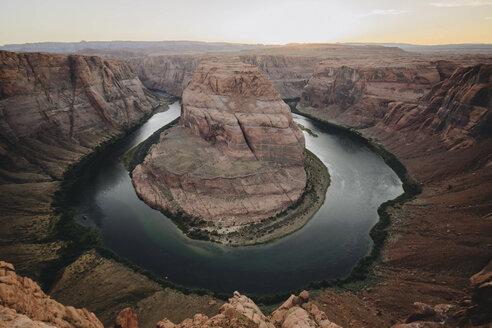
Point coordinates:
pixel 24 304
pixel 236 157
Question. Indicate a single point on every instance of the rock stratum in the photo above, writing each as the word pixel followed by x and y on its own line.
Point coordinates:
pixel 237 155
pixel 24 304
pixel 55 107
pixel 54 110
pixel 443 97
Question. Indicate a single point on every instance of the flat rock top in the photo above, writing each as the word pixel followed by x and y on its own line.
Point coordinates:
pixel 231 77
pixel 182 152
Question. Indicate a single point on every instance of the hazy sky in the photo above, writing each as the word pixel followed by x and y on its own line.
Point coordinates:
pixel 251 21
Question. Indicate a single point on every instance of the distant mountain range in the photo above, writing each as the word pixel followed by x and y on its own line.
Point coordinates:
pixel 144 48
pixel 165 46
pixel 462 48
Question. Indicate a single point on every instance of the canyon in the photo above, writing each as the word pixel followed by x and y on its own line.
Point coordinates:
pixel 432 112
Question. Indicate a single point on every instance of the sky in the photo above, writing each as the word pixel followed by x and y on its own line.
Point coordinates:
pixel 247 21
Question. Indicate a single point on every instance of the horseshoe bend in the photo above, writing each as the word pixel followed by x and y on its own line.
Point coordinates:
pixel 209 184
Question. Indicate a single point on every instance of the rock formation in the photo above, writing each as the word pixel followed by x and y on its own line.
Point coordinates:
pixel 241 311
pixel 288 74
pixel 126 319
pixel 478 312
pixel 54 109
pixel 24 304
pixel 237 155
pixel 414 95
pixel 59 104
pixel 166 73
pixel 363 90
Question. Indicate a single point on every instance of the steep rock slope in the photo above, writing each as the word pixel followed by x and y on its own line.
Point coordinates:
pixel 288 74
pixel 166 73
pixel 237 155
pixel 457 108
pixel 22 302
pixel 446 96
pixel 70 103
pixel 241 311
pixel 361 91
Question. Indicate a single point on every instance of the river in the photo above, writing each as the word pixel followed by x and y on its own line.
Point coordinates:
pixel 328 246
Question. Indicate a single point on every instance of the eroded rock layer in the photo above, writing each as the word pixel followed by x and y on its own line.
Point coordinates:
pixel 436 97
pixel 54 109
pixel 237 155
pixel 241 311
pixel 24 304
pixel 67 102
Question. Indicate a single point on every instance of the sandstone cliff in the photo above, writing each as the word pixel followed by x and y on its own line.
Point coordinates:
pixel 288 74
pixel 361 91
pixel 61 106
pixel 166 73
pixel 237 156
pixel 24 304
pixel 438 97
pixel 54 109
pixel 458 109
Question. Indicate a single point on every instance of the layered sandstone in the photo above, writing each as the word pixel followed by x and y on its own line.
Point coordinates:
pixel 362 90
pixel 166 73
pixel 65 105
pixel 442 237
pixel 237 155
pixel 241 311
pixel 458 108
pixel 54 109
pixel 24 304
pixel 173 73
pixel 439 97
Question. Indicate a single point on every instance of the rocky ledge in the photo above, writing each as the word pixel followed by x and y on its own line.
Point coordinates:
pixel 24 304
pixel 237 156
pixel 241 311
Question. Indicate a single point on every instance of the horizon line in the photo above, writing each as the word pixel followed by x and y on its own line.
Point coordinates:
pixel 257 43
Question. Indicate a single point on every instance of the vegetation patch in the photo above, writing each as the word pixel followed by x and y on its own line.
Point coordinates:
pixel 137 154
pixel 308 130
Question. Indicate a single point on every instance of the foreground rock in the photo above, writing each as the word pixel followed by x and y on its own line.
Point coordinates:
pixel 237 156
pixel 241 311
pixel 126 319
pixel 24 304
pixel 478 312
